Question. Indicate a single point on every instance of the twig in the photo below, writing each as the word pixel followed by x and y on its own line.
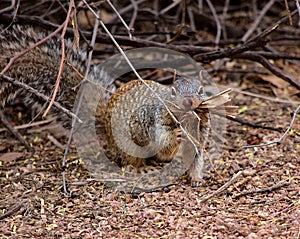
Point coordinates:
pixel 200 6
pixel 288 11
pixel 13 6
pixel 224 16
pixel 92 44
pixel 55 142
pixel 253 125
pixel 229 53
pixel 14 131
pixel 123 11
pixel 298 10
pixel 33 124
pixel 258 40
pixel 137 42
pixel 134 15
pixel 6 9
pixel 278 141
pixel 165 10
pixel 119 16
pixel 13 59
pixel 265 97
pixel 258 20
pixel 219 28
pixel 182 24
pixel 11 211
pixel 223 188
pixel 56 87
pixel 261 190
pixel 277 55
pixel 272 28
pixel 40 95
pixel 263 61
pixel 104 38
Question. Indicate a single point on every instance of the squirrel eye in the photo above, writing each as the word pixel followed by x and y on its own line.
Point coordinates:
pixel 173 91
pixel 201 91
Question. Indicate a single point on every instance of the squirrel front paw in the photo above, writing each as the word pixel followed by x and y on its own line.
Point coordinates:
pixel 196 171
pixel 195 183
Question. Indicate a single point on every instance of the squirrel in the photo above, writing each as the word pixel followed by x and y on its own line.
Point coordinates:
pixel 144 133
pixel 139 129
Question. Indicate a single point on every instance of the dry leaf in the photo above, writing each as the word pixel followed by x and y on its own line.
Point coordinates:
pixel 11 156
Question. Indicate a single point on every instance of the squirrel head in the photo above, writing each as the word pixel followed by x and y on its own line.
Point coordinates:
pixel 187 93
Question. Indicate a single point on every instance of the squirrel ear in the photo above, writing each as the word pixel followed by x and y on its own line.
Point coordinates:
pixel 175 76
pixel 173 91
pixel 201 77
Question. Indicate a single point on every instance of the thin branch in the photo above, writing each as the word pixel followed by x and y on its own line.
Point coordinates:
pixel 11 7
pixel 229 53
pixel 92 44
pixel 288 12
pixel 134 15
pixel 16 9
pixel 277 55
pixel 265 97
pixel 30 125
pixel 61 66
pixel 182 24
pixel 253 125
pixel 168 8
pixel 219 28
pixel 272 28
pixel 206 54
pixel 258 20
pixel 104 38
pixel 223 188
pixel 16 57
pixel 224 16
pixel 13 210
pixel 298 10
pixel 14 131
pixel 261 190
pixel 123 11
pixel 278 141
pixel 264 62
pixel 119 16
pixel 38 94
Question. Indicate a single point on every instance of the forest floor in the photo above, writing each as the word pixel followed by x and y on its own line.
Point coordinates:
pixel 262 201
pixel 252 193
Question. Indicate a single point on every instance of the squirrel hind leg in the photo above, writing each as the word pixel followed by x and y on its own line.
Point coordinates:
pixel 196 170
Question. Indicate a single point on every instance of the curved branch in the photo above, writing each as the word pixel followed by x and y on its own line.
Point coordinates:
pixel 264 62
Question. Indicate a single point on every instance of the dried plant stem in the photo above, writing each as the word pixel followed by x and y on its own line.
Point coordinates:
pixel 92 44
pixel 219 28
pixel 288 11
pixel 16 57
pixel 258 20
pixel 38 94
pixel 262 190
pixel 119 16
pixel 30 125
pixel 224 187
pixel 65 25
pixel 278 141
pixel 14 131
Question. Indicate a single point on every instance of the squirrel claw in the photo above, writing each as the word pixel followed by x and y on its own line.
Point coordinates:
pixel 197 183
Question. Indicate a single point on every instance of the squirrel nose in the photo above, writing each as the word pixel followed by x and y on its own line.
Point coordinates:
pixel 187 103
